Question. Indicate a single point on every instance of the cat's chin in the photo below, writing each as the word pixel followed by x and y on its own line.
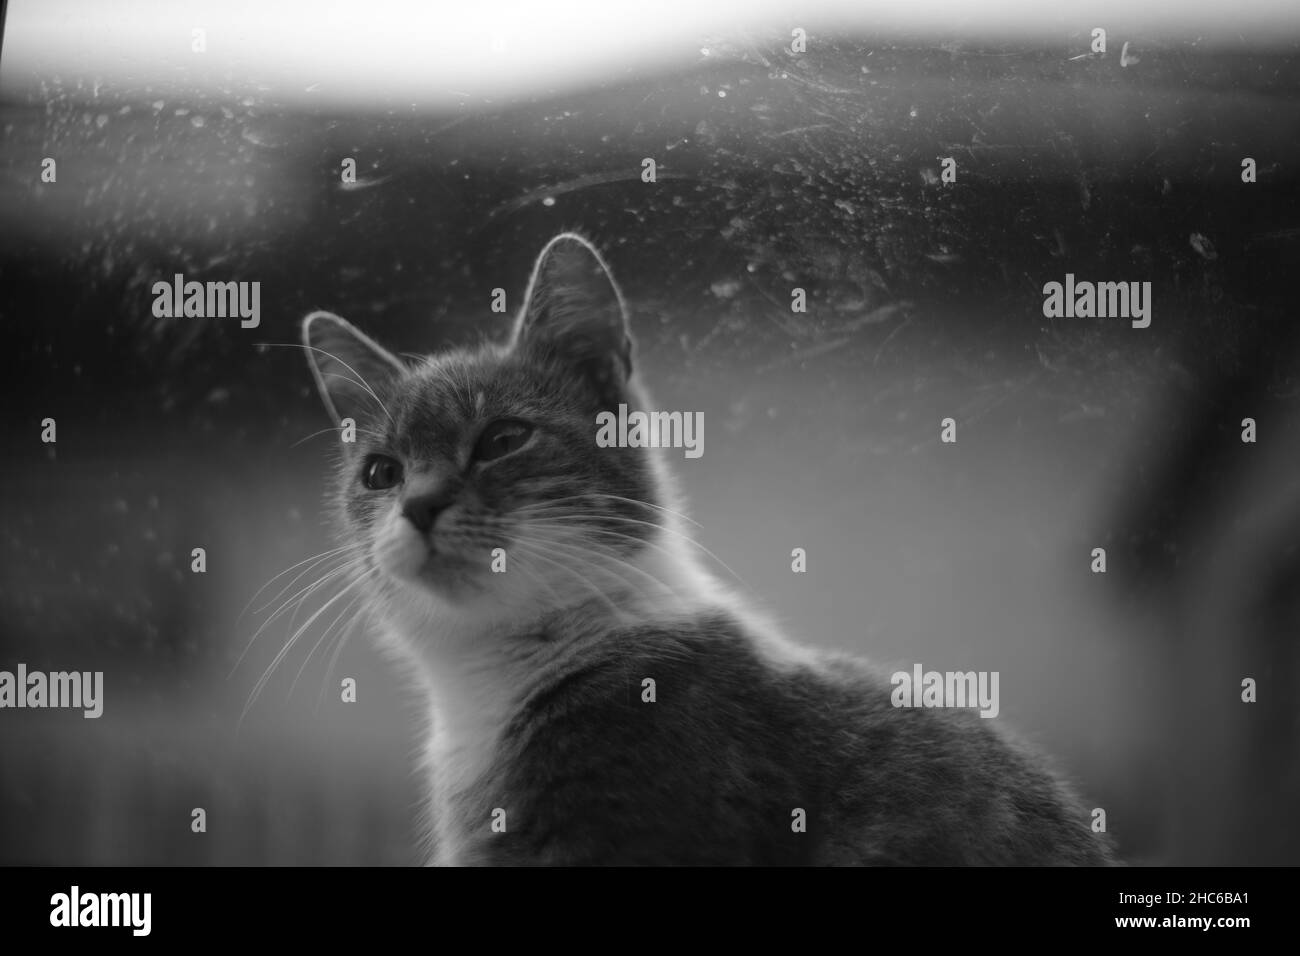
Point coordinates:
pixel 444 578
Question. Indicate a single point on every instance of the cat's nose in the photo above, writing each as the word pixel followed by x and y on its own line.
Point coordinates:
pixel 422 510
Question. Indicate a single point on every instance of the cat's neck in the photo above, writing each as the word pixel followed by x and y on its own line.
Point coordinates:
pixel 477 664
pixel 474 660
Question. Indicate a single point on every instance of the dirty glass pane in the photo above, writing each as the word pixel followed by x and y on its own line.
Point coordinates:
pixel 841 248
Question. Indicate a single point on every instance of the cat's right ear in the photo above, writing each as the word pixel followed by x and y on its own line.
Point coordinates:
pixel 352 370
pixel 574 310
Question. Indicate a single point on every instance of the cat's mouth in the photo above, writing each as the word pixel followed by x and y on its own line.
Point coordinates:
pixel 431 562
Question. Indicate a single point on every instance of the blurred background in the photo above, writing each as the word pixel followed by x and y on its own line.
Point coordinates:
pixel 477 135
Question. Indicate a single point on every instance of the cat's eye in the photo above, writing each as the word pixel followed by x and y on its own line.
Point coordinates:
pixel 501 438
pixel 380 472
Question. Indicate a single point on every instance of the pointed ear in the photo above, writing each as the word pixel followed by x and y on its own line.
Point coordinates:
pixel 574 310
pixel 352 370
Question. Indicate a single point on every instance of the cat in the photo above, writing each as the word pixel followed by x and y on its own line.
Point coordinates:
pixel 594 695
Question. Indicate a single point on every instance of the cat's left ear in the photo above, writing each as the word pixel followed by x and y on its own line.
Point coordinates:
pixel 351 369
pixel 574 310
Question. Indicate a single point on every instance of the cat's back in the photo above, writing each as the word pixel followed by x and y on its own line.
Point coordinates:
pixel 692 743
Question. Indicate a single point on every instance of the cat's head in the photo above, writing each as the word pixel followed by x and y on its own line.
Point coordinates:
pixel 475 479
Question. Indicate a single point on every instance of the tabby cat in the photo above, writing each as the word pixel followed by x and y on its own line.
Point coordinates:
pixel 594 696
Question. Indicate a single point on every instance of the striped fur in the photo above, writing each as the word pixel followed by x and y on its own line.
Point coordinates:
pixel 535 676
